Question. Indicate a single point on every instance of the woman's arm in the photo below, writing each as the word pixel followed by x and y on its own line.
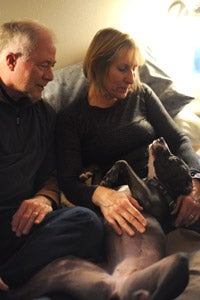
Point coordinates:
pixel 165 126
pixel 69 161
pixel 188 207
pixel 121 211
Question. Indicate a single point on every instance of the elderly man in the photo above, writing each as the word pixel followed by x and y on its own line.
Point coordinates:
pixel 33 230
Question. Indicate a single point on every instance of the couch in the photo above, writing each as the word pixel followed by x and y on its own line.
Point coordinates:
pixel 69 82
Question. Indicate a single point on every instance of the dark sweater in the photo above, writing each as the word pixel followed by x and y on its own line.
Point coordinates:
pixel 27 158
pixel 90 135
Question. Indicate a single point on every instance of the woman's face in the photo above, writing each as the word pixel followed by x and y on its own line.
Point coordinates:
pixel 121 74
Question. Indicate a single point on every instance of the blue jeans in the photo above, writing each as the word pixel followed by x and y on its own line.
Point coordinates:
pixel 73 231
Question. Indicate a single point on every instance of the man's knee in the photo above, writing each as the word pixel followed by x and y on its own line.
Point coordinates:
pixel 87 221
pixel 90 230
pixel 78 221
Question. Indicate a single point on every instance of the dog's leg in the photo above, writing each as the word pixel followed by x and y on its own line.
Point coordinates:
pixel 76 277
pixel 128 255
pixel 122 172
pixel 164 280
pixel 139 268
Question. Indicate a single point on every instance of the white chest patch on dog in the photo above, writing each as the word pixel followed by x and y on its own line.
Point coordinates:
pixel 151 169
pixel 125 189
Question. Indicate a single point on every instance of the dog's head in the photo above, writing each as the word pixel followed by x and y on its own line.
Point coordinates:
pixel 170 170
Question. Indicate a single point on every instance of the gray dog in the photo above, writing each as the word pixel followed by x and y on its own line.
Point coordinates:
pixel 149 275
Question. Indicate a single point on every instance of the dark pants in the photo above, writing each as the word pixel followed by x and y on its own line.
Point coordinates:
pixel 71 231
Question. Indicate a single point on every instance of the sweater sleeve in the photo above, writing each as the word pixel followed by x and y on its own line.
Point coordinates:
pixel 164 125
pixel 51 191
pixel 46 179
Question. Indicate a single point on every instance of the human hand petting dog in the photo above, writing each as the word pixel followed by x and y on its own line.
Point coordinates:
pixel 120 210
pixel 188 207
pixel 31 211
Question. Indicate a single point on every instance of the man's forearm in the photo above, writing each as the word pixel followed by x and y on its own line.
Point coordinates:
pixel 51 191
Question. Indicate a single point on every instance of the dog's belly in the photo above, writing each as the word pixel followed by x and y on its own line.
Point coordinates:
pixel 147 248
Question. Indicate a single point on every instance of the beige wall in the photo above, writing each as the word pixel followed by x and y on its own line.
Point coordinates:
pixel 76 21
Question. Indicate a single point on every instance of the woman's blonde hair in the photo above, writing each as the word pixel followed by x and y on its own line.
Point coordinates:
pixel 104 48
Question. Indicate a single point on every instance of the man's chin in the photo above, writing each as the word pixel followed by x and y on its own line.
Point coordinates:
pixel 34 98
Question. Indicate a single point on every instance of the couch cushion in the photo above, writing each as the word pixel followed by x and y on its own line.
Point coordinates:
pixel 69 82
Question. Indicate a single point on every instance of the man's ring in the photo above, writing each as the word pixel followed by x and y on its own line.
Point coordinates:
pixel 35 213
pixel 191 217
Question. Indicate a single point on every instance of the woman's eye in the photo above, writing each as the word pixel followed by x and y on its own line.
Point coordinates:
pixel 126 69
pixel 122 69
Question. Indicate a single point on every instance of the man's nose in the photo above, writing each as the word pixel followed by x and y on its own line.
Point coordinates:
pixel 49 74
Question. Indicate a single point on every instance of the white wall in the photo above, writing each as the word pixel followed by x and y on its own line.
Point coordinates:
pixel 76 21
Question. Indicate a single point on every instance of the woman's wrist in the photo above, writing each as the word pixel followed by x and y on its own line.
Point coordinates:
pixel 101 195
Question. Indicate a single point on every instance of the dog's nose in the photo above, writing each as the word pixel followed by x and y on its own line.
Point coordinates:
pixel 161 140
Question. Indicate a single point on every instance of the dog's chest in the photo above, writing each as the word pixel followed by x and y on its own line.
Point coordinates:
pixel 151 168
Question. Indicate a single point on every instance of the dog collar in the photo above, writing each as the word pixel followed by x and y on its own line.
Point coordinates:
pixel 154 182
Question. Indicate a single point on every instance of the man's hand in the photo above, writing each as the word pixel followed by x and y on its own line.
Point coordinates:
pixel 31 211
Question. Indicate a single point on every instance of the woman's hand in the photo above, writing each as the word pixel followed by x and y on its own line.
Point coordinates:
pixel 188 207
pixel 31 211
pixel 120 210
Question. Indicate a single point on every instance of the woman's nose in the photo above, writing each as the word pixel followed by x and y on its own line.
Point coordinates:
pixel 130 76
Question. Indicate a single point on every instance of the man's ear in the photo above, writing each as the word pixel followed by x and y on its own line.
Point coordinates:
pixel 11 60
